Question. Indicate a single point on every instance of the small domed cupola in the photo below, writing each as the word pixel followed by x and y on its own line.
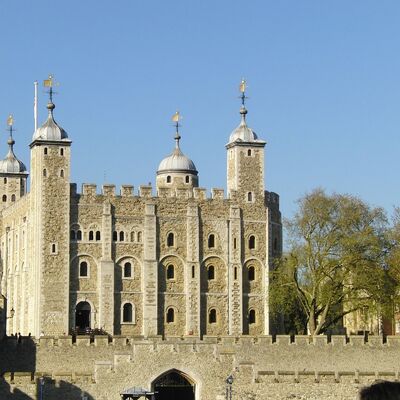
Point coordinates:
pixel 50 130
pixel 10 164
pixel 243 133
pixel 177 170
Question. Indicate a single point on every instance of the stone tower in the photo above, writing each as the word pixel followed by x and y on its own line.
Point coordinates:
pixel 13 173
pixel 245 161
pixel 50 210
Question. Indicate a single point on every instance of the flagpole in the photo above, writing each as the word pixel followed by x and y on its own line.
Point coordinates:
pixel 35 104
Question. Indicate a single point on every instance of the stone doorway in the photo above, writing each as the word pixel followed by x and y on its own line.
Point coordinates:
pixel 82 316
pixel 173 385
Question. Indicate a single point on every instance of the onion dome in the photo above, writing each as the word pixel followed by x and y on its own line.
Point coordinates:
pixel 11 164
pixel 50 130
pixel 243 133
pixel 177 161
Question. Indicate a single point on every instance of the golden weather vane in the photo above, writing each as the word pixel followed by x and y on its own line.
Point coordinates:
pixel 242 89
pixel 10 120
pixel 50 82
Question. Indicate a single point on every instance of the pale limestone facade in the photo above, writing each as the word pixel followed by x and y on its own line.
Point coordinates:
pixel 170 261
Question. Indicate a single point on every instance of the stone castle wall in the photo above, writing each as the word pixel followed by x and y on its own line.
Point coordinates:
pixel 263 367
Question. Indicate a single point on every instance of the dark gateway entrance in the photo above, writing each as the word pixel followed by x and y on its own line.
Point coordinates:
pixel 82 316
pixel 173 386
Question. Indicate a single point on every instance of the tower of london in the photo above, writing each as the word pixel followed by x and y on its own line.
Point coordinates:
pixel 170 260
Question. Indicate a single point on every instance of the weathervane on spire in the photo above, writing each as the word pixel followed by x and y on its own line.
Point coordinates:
pixel 176 118
pixel 50 82
pixel 10 123
pixel 243 97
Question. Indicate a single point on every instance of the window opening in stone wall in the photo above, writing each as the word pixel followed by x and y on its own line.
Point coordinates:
pixel 127 313
pixel 45 172
pixel 139 237
pixel 127 270
pixel 73 235
pixel 83 269
pixel 4 198
pixel 5 180
pixel 79 235
pixel 170 239
pixel 98 235
pixel 170 315
pixel 53 248
pixel 235 273
pixel 249 153
pixel 193 272
pixel 187 179
pixel 61 152
pixel 211 272
pixel 212 316
pixel 234 243
pixel 62 173
pixel 211 241
pixel 252 242
pixel 115 236
pixel 170 272
pixel 13 197
pixel 45 150
pixel 252 274
pixel 276 244
pixel 91 235
pixel 133 234
pixel 121 236
pixel 252 317
pixel 249 196
pixel 168 179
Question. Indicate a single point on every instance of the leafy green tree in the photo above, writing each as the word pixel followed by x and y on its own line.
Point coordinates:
pixel 335 260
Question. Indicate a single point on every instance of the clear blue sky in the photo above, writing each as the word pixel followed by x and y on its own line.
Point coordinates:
pixel 323 81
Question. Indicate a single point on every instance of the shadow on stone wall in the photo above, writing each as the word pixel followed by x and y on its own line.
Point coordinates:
pixel 19 379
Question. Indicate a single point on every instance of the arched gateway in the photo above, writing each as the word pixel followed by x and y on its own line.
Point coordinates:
pixel 173 385
pixel 82 315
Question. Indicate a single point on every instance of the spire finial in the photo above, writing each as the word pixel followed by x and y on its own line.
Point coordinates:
pixel 243 97
pixel 176 118
pixel 10 123
pixel 50 83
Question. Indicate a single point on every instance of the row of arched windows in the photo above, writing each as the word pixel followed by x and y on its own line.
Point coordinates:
pixel 84 270
pixel 92 235
pixel 119 236
pixel 13 198
pixel 61 173
pixel 212 316
pixel 187 179
pixel 45 151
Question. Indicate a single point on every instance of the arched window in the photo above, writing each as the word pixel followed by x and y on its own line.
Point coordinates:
pixel 133 236
pixel 83 269
pixel 211 272
pixel 45 150
pixel 79 235
pixel 252 242
pixel 234 243
pixel 61 152
pixel 235 273
pixel 212 316
pixel 4 198
pixel 249 196
pixel 170 272
pixel 252 317
pixel 45 172
pixel 73 235
pixel 193 272
pixel 13 197
pixel 121 236
pixel 168 179
pixel 211 241
pixel 53 248
pixel 170 315
pixel 62 173
pixel 127 270
pixel 115 236
pixel 98 235
pixel 170 239
pixel 249 153
pixel 187 179
pixel 252 273
pixel 139 237
pixel 91 235
pixel 127 313
pixel 5 180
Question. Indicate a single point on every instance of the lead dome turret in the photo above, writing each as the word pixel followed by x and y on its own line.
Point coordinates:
pixel 177 170
pixel 50 130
